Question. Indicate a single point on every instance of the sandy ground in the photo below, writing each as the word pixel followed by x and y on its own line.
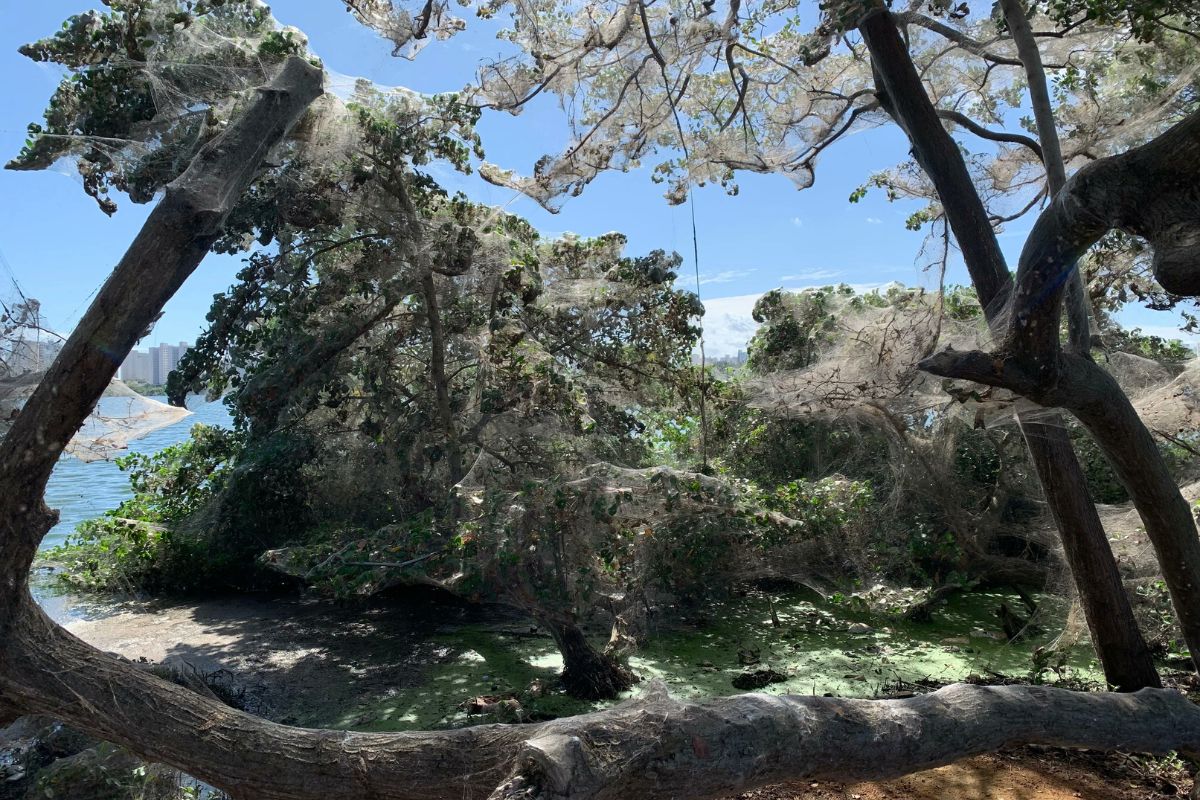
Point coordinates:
pixel 300 662
pixel 306 662
pixel 1022 774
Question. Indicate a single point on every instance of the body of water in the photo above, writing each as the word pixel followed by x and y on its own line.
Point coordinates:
pixel 85 490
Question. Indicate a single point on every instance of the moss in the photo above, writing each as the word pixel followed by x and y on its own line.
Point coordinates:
pixel 816 649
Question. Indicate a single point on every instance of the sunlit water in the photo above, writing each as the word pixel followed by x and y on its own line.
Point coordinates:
pixel 82 491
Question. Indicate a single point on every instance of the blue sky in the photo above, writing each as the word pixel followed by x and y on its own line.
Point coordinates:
pixel 60 247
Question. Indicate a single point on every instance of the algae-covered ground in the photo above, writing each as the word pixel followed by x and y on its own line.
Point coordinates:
pixel 418 660
pixel 821 647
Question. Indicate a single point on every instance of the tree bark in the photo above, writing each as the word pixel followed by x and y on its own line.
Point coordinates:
pixel 653 747
pixel 587 673
pixel 1078 323
pixel 1115 635
pixel 441 385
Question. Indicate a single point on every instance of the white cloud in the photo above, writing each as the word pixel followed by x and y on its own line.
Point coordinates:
pixel 874 220
pixel 813 275
pixel 799 223
pixel 728 325
pixel 724 276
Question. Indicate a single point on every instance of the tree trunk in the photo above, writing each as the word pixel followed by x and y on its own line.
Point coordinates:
pixel 176 236
pixel 1116 637
pixel 1092 395
pixel 437 370
pixel 1079 324
pixel 1096 399
pixel 587 673
pixel 653 747
pixel 1115 634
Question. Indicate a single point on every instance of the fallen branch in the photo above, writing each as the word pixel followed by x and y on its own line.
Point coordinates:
pixel 394 564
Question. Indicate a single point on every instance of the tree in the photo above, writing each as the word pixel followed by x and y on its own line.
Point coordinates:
pixel 1059 238
pixel 557 348
pixel 524 355
pixel 1108 615
pixel 652 747
pixel 748 88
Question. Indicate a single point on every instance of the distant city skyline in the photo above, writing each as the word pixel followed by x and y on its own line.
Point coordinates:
pixel 154 365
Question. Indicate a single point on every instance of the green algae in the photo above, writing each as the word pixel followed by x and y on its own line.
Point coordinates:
pixel 815 647
pixel 822 647
pixel 476 662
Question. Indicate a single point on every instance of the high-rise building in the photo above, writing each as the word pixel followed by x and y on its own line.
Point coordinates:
pixel 154 366
pixel 31 353
pixel 137 367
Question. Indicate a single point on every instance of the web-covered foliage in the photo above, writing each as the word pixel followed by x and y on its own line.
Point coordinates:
pixel 147 85
pixel 702 91
pixel 20 352
pixel 832 389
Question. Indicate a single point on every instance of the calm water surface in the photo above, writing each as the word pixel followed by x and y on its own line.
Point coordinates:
pixel 82 491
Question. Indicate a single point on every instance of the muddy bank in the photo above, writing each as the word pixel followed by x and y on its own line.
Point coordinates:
pixel 299 661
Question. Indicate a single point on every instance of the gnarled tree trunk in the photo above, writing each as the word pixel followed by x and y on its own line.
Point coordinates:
pixel 587 673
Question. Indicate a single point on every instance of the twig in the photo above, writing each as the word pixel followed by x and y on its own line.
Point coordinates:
pixel 394 564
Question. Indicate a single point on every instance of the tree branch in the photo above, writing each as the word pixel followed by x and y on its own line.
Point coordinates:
pixel 958 118
pixel 175 237
pixel 1152 191
pixel 953 34
pixel 1078 322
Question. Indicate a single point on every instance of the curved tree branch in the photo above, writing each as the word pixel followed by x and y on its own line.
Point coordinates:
pixel 1152 191
pixel 959 118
